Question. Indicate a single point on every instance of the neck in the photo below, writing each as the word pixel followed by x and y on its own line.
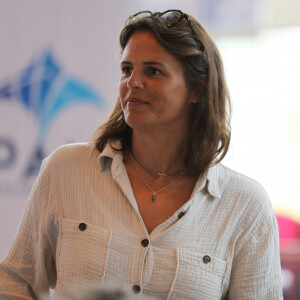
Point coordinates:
pixel 161 152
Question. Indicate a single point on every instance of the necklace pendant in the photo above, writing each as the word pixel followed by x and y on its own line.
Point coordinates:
pixel 153 197
pixel 162 174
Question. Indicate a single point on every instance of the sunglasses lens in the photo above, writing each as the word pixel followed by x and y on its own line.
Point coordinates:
pixel 171 17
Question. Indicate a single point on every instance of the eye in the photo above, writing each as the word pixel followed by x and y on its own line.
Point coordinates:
pixel 154 71
pixel 126 70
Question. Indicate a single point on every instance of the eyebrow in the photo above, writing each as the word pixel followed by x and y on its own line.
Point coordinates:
pixel 146 63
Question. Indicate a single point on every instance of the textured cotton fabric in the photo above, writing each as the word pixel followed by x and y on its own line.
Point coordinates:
pixel 82 226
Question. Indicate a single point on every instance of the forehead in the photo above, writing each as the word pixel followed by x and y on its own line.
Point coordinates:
pixel 144 44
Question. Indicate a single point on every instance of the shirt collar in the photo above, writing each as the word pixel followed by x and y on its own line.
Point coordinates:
pixel 209 181
pixel 213 181
pixel 108 154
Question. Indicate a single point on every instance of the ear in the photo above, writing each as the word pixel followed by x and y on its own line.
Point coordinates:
pixel 199 91
pixel 194 98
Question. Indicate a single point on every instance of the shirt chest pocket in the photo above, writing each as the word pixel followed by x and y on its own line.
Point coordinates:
pixel 82 253
pixel 199 276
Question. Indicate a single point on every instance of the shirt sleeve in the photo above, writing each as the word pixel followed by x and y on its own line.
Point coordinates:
pixel 29 268
pixel 256 273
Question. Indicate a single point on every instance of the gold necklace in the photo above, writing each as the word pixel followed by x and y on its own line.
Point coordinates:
pixel 153 171
pixel 154 193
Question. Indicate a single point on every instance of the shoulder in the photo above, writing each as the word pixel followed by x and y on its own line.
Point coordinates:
pixel 71 151
pixel 249 207
pixel 72 154
pixel 229 176
pixel 243 190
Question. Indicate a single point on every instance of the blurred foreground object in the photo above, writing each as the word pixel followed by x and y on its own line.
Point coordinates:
pixel 289 238
pixel 109 292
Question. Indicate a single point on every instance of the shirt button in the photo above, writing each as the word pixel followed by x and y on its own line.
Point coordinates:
pixel 145 242
pixel 206 259
pixel 136 289
pixel 181 214
pixel 82 226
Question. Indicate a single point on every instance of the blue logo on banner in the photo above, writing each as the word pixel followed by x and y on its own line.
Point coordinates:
pixel 45 90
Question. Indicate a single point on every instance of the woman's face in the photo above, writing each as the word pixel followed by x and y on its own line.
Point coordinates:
pixel 153 92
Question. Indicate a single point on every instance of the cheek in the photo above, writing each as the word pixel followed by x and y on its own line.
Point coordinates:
pixel 160 103
pixel 123 84
pixel 122 89
pixel 160 98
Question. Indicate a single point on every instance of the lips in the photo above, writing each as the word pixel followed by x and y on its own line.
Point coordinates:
pixel 134 100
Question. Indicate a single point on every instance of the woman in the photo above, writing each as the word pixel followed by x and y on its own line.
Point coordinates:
pixel 159 213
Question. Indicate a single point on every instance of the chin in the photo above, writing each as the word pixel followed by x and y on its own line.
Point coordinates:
pixel 138 123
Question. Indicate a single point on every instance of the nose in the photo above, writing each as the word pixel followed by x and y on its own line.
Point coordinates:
pixel 135 81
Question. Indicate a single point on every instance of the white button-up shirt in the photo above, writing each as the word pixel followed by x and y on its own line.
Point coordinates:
pixel 82 226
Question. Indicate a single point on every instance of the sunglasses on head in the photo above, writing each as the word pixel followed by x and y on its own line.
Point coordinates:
pixel 172 18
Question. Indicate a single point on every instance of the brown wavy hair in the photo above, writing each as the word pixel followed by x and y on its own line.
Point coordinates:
pixel 209 134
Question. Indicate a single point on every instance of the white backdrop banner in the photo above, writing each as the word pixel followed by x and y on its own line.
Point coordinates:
pixel 58 79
